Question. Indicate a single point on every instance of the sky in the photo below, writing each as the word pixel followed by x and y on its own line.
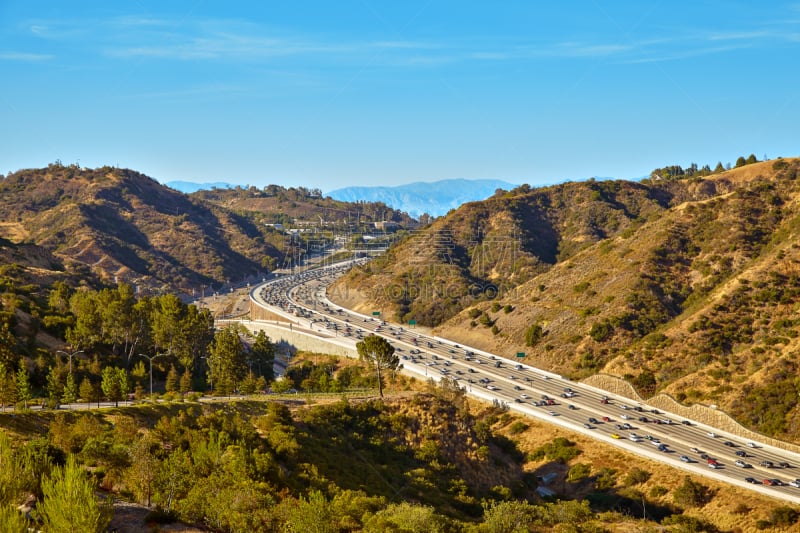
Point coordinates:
pixel 326 94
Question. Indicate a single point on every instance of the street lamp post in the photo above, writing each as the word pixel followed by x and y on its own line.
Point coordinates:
pixel 150 359
pixel 69 356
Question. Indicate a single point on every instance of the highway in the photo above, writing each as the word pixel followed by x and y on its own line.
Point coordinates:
pixel 619 421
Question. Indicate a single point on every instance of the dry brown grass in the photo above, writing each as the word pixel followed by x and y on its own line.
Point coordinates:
pixel 721 511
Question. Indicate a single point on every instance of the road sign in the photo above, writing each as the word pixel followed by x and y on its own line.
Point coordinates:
pixel 376 313
pixel 412 322
pixel 520 354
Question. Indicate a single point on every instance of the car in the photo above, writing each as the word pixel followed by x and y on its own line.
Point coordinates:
pixel 741 453
pixel 772 482
pixel 729 444
pixel 618 426
pixel 766 464
pixel 627 426
pixel 686 459
pixel 663 448
pixel 517 400
pixel 742 464
pixel 571 407
pixel 752 445
pixel 712 435
pixel 471 370
pixel 686 423
pixel 623 406
pixel 517 387
pixel 524 396
pixel 593 420
pixel 606 419
pixel 604 401
pixel 695 450
pixel 751 480
pixel 627 417
pixel 644 419
pixel 784 465
pixel 634 437
pixel 615 436
pixel 638 409
pixel 795 483
pixel 704 455
pixel 588 426
pixel 712 461
pixel 714 465
pixel 553 413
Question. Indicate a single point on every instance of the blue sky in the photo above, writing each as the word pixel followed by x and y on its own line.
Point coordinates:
pixel 328 94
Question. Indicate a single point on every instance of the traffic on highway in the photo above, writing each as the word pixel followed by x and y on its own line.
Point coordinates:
pixel 617 420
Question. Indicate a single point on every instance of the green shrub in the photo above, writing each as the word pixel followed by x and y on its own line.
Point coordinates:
pixel 578 472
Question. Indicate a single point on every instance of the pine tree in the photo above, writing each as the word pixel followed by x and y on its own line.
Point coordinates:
pixel 186 381
pixel 24 394
pixel 69 503
pixel 8 390
pixel 54 388
pixel 70 394
pixel 88 392
pixel 172 379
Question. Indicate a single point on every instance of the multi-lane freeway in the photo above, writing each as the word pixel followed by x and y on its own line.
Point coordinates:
pixel 636 427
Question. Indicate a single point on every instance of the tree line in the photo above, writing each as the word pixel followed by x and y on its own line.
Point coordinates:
pixel 114 343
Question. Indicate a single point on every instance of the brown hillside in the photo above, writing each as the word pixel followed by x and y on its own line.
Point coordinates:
pixel 686 286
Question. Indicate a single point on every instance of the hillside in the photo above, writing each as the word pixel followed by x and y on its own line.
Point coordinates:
pixel 117 224
pixel 687 286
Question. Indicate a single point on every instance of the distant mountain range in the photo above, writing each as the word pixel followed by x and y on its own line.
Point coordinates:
pixel 188 187
pixel 435 198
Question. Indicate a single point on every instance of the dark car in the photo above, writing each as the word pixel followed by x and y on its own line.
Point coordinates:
pixel 766 464
pixel 593 420
pixel 784 465
pixel 643 419
pixel 729 444
pixel 751 480
pixel 741 453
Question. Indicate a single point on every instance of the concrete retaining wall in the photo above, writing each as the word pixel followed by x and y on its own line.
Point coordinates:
pixel 697 412
pixel 303 340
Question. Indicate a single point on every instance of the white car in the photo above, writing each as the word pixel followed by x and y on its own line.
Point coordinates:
pixel 712 435
pixel 795 483
pixel 752 445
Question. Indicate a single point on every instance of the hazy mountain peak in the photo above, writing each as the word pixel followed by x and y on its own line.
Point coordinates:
pixel 435 198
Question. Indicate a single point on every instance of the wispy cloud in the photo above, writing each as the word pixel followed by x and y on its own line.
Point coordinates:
pixel 24 56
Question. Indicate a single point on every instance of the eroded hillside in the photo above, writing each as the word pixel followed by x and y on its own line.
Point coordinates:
pixel 686 286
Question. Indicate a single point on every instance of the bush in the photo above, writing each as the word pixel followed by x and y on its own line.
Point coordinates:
pixel 533 334
pixel 637 476
pixel 658 491
pixel 691 494
pixel 578 472
pixel 518 427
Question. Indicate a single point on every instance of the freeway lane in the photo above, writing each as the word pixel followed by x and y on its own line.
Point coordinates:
pixel 639 428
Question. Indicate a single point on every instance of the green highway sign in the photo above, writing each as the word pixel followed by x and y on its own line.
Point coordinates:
pixel 412 322
pixel 520 354
pixel 376 313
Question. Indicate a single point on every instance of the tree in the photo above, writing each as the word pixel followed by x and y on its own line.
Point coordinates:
pixel 8 390
pixel 88 392
pixel 23 386
pixel 262 356
pixel 139 477
pixel 377 352
pixel 69 503
pixel 171 384
pixel 115 384
pixel 54 388
pixel 719 167
pixel 70 394
pixel 751 159
pixel 740 162
pixel 226 360
pixel 186 381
